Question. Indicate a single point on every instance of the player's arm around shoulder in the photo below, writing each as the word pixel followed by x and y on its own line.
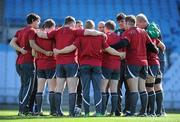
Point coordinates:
pixel 65 50
pixel 92 32
pixel 161 46
pixel 41 34
pixel 115 52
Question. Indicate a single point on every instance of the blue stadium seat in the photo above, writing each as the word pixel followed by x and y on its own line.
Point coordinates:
pixel 137 6
pixel 36 7
pixel 174 9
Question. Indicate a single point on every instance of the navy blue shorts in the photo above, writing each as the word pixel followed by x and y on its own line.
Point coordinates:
pixel 66 70
pixel 111 74
pixel 133 71
pixel 154 71
pixel 47 73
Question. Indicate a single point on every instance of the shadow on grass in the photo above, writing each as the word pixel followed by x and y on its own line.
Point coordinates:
pixel 15 117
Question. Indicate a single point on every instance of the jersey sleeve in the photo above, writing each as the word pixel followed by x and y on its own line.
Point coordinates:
pixel 126 36
pixel 104 44
pixel 32 35
pixel 157 41
pixel 51 34
pixel 77 42
pixel 79 32
pixel 148 39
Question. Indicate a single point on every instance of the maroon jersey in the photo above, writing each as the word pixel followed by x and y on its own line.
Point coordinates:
pixel 111 61
pixel 153 58
pixel 90 49
pixel 65 36
pixel 136 51
pixel 23 36
pixel 43 61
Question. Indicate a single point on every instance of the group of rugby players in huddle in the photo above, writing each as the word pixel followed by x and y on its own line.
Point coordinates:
pixel 77 55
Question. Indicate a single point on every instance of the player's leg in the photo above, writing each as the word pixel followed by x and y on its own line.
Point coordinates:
pixel 104 88
pixel 27 85
pixel 127 101
pixel 85 81
pixel 72 82
pixel 60 84
pixel 132 74
pixel 51 80
pixel 79 94
pixel 115 76
pixel 33 102
pixel 114 95
pixel 96 82
pixel 19 71
pixel 159 94
pixel 159 89
pixel 142 91
pixel 119 90
pixel 40 89
pixel 150 89
pixel 78 107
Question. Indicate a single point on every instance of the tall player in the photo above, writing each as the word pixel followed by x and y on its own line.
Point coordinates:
pixel 153 84
pixel 23 42
pixel 46 69
pixel 120 18
pixel 111 70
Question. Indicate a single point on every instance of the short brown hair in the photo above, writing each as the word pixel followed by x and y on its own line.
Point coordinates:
pixel 49 23
pixel 32 17
pixel 120 16
pixel 69 20
pixel 110 25
pixel 131 19
pixel 89 24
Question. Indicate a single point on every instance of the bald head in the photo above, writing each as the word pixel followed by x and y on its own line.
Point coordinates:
pixel 142 21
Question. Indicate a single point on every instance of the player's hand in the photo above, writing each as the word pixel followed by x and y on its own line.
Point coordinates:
pixel 105 36
pixel 122 55
pixel 23 51
pixel 34 53
pixel 49 53
pixel 55 51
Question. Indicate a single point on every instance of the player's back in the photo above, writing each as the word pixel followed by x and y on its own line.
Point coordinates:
pixel 136 51
pixel 46 44
pixel 153 58
pixel 65 36
pixel 90 49
pixel 23 37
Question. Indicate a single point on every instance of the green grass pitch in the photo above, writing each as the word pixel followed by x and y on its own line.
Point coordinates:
pixel 11 116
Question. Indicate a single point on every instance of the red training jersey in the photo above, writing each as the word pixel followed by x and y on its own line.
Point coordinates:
pixel 90 49
pixel 23 36
pixel 43 61
pixel 136 53
pixel 153 58
pixel 110 61
pixel 63 37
